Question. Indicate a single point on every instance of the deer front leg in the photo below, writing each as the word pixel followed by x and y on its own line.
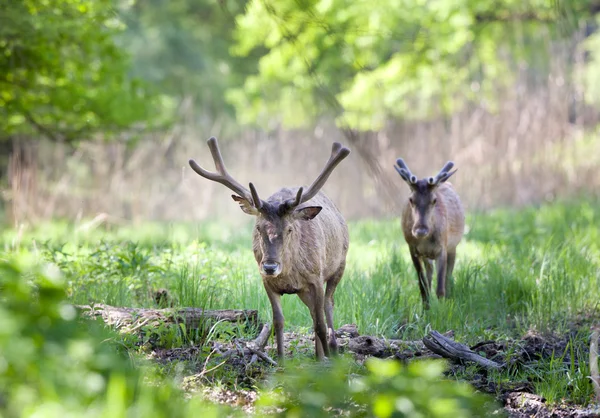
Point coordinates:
pixel 429 270
pixel 422 279
pixel 440 266
pixel 278 321
pixel 314 298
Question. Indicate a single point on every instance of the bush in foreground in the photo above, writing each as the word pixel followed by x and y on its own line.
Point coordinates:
pixel 52 364
pixel 385 389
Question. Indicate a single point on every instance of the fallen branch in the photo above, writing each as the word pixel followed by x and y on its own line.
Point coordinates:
pixel 253 349
pixel 455 351
pixel 262 355
pixel 260 341
pixel 130 320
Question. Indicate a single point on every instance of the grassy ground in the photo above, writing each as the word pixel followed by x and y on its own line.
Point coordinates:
pixel 534 270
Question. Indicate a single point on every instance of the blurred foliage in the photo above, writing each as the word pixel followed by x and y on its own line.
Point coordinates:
pixel 53 364
pixel 182 47
pixel 72 67
pixel 589 75
pixel 61 73
pixel 387 389
pixel 369 61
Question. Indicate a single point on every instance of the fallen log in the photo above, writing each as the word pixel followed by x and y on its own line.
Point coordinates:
pixel 130 320
pixel 455 351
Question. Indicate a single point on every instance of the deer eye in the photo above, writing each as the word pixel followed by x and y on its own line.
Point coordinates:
pixel 434 201
pixel 288 230
pixel 411 200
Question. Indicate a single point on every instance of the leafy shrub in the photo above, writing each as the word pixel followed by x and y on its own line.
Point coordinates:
pixel 387 389
pixel 52 364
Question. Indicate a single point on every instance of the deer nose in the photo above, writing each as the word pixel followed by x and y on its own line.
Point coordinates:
pixel 420 231
pixel 270 268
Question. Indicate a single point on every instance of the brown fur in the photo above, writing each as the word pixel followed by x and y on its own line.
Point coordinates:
pixel 445 222
pixel 312 253
pixel 300 242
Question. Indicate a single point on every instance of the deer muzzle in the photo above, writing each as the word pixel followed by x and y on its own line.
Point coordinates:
pixel 270 268
pixel 420 231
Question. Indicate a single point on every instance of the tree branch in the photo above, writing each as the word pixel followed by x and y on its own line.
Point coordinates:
pixel 455 351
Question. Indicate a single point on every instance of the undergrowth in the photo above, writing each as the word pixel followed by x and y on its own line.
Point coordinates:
pixel 518 271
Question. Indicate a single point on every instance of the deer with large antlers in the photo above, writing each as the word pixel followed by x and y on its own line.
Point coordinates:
pixel 300 241
pixel 433 223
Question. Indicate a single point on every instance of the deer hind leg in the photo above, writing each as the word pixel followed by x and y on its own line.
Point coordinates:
pixel 422 279
pixel 332 283
pixel 449 269
pixel 313 297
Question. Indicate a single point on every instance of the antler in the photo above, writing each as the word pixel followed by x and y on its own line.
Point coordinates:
pixel 443 175
pixel 255 199
pixel 338 153
pixel 223 177
pixel 404 172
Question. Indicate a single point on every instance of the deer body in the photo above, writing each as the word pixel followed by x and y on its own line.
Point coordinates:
pixel 300 241
pixel 313 254
pixel 433 223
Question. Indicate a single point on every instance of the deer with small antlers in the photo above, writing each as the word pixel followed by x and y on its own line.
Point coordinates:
pixel 300 241
pixel 433 223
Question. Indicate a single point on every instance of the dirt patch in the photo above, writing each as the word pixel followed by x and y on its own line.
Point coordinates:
pixel 237 398
pixel 525 405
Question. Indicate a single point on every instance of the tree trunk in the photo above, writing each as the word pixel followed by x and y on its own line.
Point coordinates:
pixel 22 181
pixel 365 145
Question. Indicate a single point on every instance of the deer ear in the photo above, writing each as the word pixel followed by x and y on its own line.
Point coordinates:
pixel 246 206
pixel 307 213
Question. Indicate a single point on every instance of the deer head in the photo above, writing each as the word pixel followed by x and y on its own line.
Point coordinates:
pixel 423 198
pixel 278 221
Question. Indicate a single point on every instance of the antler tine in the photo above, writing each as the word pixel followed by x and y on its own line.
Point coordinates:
pixel 292 203
pixel 447 175
pixel 338 153
pixel 258 204
pixel 221 176
pixel 443 174
pixel 404 171
pixel 298 197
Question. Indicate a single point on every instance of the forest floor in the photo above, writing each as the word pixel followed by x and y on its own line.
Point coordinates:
pixel 525 294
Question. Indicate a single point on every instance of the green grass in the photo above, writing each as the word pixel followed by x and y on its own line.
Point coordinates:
pixel 517 271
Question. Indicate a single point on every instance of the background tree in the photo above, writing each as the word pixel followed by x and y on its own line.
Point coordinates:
pixel 61 73
pixel 183 48
pixel 366 63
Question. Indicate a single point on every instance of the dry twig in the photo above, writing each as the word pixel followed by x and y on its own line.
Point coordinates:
pixel 260 341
